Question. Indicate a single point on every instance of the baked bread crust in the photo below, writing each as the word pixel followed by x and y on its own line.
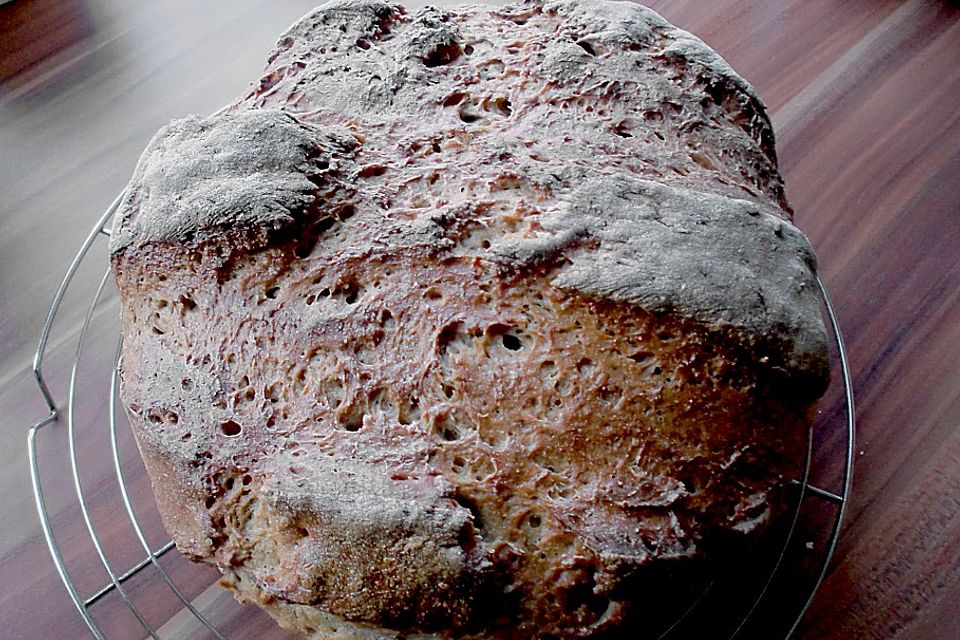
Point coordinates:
pixel 468 323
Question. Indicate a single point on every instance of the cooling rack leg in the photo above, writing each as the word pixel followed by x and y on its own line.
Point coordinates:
pixel 48 531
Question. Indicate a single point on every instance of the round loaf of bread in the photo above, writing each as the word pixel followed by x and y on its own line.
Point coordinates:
pixel 480 323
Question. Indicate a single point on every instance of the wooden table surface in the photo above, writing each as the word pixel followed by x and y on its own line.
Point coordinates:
pixel 865 98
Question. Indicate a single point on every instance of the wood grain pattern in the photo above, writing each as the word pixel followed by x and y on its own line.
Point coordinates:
pixel 865 96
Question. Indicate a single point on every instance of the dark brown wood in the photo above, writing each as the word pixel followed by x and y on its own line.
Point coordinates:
pixel 865 97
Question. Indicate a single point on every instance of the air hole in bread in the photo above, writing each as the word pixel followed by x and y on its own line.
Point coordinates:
pixel 467 111
pixel 409 412
pixel 273 392
pixel 442 55
pixel 323 225
pixel 447 430
pixel 585 365
pixel 511 342
pixel 508 336
pixel 351 419
pixel 372 171
pixel 499 105
pixel 548 370
pixel 471 505
pixel 230 428
pixel 450 339
pixel 454 98
pixel 332 391
pixel 623 129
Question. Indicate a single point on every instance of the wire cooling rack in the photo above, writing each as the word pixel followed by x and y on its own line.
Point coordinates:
pixel 767 600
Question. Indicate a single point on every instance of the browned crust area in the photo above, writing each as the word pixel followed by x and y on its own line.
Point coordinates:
pixel 493 332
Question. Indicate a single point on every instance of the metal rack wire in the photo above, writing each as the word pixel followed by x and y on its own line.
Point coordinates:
pixel 836 499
